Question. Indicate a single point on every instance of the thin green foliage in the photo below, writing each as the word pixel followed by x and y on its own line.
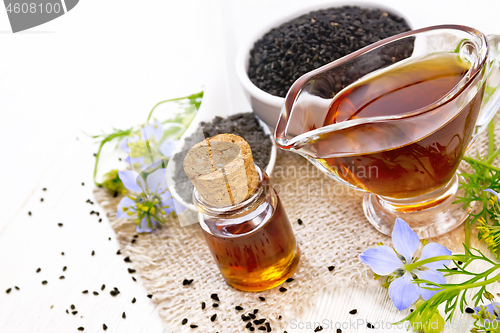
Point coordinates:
pixel 177 125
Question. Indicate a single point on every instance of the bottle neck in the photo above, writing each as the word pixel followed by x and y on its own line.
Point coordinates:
pixel 244 206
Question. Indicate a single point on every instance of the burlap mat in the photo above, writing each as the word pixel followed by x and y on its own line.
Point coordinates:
pixel 334 232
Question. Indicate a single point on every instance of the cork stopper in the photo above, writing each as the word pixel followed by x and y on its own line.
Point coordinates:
pixel 222 169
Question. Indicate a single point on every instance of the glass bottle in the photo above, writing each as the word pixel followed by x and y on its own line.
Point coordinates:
pixel 252 242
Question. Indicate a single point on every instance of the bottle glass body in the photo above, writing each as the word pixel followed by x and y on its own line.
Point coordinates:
pixel 252 242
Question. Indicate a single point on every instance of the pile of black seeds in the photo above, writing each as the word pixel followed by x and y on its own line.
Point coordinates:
pixel 310 41
pixel 245 125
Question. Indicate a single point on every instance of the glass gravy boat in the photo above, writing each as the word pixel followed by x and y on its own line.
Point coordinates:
pixel 405 159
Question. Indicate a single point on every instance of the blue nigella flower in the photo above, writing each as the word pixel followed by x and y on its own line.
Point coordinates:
pixel 488 313
pixel 386 261
pixel 153 201
pixel 494 193
pixel 167 147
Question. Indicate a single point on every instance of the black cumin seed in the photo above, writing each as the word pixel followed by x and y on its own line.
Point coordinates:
pixel 262 298
pixel 331 268
pixel 215 305
pixel 124 315
pixel 85 292
pixel 97 213
pixel 251 315
pixel 454 269
pixel 252 328
pixel 289 280
pixel 263 328
pixel 118 252
pixel 127 259
pixel 319 328
pixel 74 313
pixel 459 262
pixel 81 328
pixel 44 282
pixel 299 221
pixel 248 325
pixel 411 310
pixel 67 311
pixel 131 270
pixel 83 184
pixel 133 241
pixel 109 238
pixel 339 330
pixel 103 287
pixel 203 305
pixel 245 318
pixel 38 270
pixel 62 253
pixel 60 224
pixel 213 317
pixel 133 278
pixel 279 317
pixel 72 306
pixel 93 252
pixel 136 236
pixel 100 220
pixel 133 300
pixel 150 296
pixel 353 311
pixel 8 290
pixel 184 321
pixel 115 194
pixel 41 199
pixel 16 287
pixel 95 293
pixel 44 189
pixel 119 159
pixel 369 325
pixel 259 321
pixel 268 326
pixel 61 277
pixel 469 310
pixel 193 326
pixel 114 292
pixel 282 289
pixel 64 268
pixel 215 297
pixel 255 311
pixel 104 327
pixel 239 308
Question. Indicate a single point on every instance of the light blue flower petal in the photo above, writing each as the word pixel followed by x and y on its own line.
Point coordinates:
pixel 494 193
pixel 150 131
pixel 125 202
pixel 433 250
pixel 129 180
pixel 404 292
pixel 490 308
pixel 157 180
pixel 167 147
pixel 430 275
pixel 143 227
pixel 405 241
pixel 382 260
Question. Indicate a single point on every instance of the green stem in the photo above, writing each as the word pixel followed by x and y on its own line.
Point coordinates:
pixel 477 284
pixel 200 94
pixel 412 266
pixel 493 156
pixel 97 161
pixel 491 139
pixel 485 164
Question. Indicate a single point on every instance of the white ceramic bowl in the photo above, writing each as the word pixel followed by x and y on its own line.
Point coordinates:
pixel 265 105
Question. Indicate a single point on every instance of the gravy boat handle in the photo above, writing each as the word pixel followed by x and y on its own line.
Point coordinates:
pixel 491 98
